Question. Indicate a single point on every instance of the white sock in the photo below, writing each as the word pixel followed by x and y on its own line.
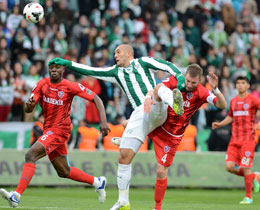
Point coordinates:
pixel 166 95
pixel 96 182
pixel 123 182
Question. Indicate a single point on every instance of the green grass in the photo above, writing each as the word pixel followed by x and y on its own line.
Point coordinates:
pixel 141 199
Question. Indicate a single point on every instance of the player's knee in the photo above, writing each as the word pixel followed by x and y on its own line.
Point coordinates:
pixel 125 157
pixel 230 168
pixel 30 157
pixel 161 173
pixel 63 173
pixel 155 93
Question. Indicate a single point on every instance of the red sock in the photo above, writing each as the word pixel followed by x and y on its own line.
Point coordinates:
pixel 80 176
pixel 240 172
pixel 248 184
pixel 159 191
pixel 27 174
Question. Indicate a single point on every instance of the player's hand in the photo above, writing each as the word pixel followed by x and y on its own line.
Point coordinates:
pixel 215 125
pixel 181 82
pixel 124 123
pixel 61 62
pixel 213 80
pixel 30 104
pixel 148 102
pixel 104 128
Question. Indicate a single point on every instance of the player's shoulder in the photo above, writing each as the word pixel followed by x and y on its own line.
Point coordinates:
pixel 202 90
pixel 44 81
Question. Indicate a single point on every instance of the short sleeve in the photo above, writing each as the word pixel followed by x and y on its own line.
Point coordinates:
pixel 36 91
pixel 81 91
pixel 230 113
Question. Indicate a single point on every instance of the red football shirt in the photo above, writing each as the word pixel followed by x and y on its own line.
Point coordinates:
pixel 56 99
pixel 192 101
pixel 243 111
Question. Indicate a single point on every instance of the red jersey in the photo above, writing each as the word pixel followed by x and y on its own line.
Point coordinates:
pixel 243 111
pixel 175 125
pixel 56 99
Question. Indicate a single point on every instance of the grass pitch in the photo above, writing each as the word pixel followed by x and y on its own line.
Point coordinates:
pixel 141 199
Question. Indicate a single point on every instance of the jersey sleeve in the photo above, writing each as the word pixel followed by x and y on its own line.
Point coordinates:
pixel 36 91
pixel 81 91
pixel 230 112
pixel 257 103
pixel 207 96
pixel 158 64
pixel 170 82
pixel 107 74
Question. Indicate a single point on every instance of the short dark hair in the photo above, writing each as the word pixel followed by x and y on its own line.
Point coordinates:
pixel 194 70
pixel 242 78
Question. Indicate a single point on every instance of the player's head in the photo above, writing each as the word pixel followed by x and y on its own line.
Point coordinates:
pixel 56 73
pixel 124 53
pixel 193 76
pixel 242 84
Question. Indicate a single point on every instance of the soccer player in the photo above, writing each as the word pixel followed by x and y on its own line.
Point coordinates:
pixel 241 148
pixel 55 95
pixel 136 78
pixel 167 137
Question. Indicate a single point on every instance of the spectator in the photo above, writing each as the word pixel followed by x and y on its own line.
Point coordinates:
pixel 18 83
pixel 6 95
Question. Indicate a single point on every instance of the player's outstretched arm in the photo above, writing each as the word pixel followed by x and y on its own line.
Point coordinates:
pixel 107 74
pixel 104 129
pixel 224 122
pixel 213 82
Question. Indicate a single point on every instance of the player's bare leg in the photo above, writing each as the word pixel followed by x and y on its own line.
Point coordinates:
pixel 63 170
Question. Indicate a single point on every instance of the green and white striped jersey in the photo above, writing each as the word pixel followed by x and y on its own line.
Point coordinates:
pixel 135 80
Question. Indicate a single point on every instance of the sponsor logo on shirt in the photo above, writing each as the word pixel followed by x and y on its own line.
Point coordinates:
pixel 60 94
pixel 166 149
pixel 240 113
pixel 186 103
pixel 53 101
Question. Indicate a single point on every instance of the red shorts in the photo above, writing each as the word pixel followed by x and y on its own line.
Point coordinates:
pixel 165 146
pixel 54 142
pixel 242 153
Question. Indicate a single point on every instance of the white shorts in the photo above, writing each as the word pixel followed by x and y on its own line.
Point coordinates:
pixel 141 124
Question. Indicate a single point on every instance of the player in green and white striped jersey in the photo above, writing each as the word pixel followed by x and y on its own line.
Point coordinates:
pixel 136 78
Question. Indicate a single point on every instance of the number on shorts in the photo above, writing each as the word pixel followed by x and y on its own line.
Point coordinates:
pixel 164 158
pixel 245 161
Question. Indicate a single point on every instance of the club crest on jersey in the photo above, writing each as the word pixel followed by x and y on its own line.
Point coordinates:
pixel 246 106
pixel 247 153
pixel 60 94
pixel 166 149
pixel 136 66
pixel 189 96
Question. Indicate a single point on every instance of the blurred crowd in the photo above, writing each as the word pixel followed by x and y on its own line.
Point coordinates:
pixel 222 36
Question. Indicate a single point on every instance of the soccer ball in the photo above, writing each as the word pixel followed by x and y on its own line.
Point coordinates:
pixel 33 12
